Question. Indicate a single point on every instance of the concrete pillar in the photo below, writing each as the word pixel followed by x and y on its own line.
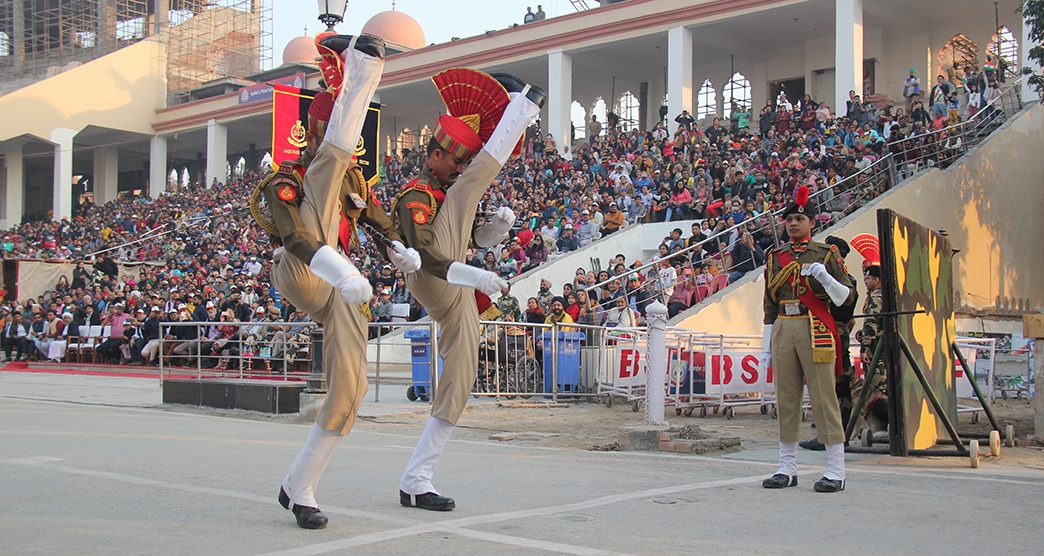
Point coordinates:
pixel 679 74
pixel 655 101
pixel 11 205
pixel 559 96
pixel 158 173
pixel 106 174
pixel 161 16
pixel 63 172
pixel 18 40
pixel 217 152
pixel 105 38
pixel 656 363
pixel 1029 94
pixel 848 52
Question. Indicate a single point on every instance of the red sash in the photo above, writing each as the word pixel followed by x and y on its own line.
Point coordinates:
pixel 818 309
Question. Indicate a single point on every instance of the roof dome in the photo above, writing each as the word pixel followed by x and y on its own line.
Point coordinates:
pixel 300 50
pixel 396 28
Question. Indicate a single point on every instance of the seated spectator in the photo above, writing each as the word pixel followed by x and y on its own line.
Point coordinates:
pixel 568 242
pixel 559 316
pixel 614 220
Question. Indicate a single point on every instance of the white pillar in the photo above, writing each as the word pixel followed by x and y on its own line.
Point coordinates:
pixel 1029 94
pixel 655 101
pixel 63 172
pixel 848 52
pixel 559 96
pixel 679 74
pixel 14 186
pixel 217 152
pixel 106 174
pixel 656 363
pixel 158 174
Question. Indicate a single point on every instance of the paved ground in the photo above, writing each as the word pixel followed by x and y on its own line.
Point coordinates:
pixel 90 467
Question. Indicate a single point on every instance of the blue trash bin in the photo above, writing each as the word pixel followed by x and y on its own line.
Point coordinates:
pixel 569 344
pixel 420 350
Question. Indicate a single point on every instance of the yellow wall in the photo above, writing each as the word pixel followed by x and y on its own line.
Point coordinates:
pixel 989 204
pixel 122 90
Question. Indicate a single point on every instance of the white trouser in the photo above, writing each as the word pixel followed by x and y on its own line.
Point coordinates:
pixel 418 474
pixel 306 470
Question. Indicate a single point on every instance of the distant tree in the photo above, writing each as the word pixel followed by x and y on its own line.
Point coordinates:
pixel 1033 11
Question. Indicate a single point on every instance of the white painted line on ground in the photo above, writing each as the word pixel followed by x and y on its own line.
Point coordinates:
pixel 196 489
pixel 530 543
pixel 457 526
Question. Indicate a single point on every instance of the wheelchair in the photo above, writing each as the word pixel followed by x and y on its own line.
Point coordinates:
pixel 508 368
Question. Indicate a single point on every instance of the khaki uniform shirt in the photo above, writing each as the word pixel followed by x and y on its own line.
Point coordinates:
pixel 777 278
pixel 358 204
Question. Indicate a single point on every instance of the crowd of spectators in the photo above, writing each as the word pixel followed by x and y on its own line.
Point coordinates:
pixel 201 257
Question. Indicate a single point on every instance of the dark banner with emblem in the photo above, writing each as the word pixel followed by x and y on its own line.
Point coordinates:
pixel 290 128
pixel 367 149
pixel 289 122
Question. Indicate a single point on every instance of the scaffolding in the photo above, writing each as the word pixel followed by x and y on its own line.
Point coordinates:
pixel 215 39
pixel 41 37
pixel 207 39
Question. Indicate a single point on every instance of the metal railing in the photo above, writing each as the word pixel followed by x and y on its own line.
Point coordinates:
pixel 904 158
pixel 938 148
pixel 232 349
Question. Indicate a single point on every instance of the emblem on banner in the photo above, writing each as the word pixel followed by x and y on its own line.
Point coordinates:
pixel 360 148
pixel 297 136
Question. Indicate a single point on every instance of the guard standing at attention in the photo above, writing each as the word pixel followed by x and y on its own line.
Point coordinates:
pixel 802 279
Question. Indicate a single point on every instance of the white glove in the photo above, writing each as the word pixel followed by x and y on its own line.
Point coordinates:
pixel 406 260
pixel 519 114
pixel 766 349
pixel 503 220
pixel 340 273
pixel 837 291
pixel 494 231
pixel 460 274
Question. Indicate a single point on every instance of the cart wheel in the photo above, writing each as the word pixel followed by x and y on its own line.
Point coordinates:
pixel 868 438
pixel 715 410
pixel 995 444
pixel 411 394
pixel 1009 435
pixel 729 413
pixel 609 401
pixel 764 410
pixel 635 405
pixel 975 417
pixel 973 457
pixel 703 411
pixel 774 412
pixel 688 412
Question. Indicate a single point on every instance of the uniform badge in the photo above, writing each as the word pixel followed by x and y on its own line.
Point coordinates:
pixel 420 217
pixel 287 193
pixel 358 201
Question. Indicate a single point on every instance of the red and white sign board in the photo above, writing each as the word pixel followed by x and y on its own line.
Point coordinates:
pixel 731 371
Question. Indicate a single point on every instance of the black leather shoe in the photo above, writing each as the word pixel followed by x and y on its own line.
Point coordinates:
pixel 367 44
pixel 829 485
pixel 307 516
pixel 779 480
pixel 812 444
pixel 427 501
pixel 515 85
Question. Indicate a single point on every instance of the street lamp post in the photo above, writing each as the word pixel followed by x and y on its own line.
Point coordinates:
pixel 331 12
